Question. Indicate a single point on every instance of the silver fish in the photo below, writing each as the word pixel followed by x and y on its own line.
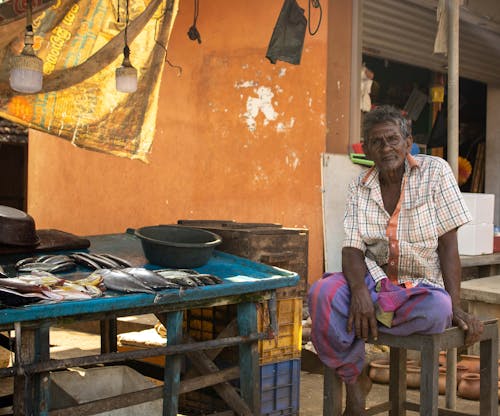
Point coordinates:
pixel 181 278
pixel 117 279
pixel 150 278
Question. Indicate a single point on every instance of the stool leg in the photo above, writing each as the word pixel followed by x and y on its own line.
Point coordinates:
pixel 489 377
pixel 429 387
pixel 451 378
pixel 332 393
pixel 397 383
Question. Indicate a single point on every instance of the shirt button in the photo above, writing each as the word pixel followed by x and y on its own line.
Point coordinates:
pixel 392 263
pixel 393 245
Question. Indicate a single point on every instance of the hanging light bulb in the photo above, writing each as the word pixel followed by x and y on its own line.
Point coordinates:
pixel 126 75
pixel 26 71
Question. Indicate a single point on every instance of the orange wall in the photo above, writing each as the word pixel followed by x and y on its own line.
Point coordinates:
pixel 210 159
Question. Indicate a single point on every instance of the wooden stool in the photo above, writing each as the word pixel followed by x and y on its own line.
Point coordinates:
pixel 429 347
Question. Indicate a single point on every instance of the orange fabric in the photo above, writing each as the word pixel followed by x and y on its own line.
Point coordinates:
pixel 391 232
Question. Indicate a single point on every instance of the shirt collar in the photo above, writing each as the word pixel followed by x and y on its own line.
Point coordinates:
pixel 372 173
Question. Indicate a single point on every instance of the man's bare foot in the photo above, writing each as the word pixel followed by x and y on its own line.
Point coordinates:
pixel 356 395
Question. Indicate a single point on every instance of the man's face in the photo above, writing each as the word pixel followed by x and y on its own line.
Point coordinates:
pixel 386 146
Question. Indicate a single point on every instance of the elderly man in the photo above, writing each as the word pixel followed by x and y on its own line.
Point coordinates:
pixel 400 265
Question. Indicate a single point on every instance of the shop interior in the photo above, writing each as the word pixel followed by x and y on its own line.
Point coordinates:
pixel 421 93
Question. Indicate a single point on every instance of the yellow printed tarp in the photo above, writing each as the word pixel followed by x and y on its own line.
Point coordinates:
pixel 81 44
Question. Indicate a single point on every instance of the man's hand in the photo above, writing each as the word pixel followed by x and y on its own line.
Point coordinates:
pixel 362 314
pixel 472 326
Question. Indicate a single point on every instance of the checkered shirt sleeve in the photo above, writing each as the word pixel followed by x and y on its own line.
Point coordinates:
pixel 352 236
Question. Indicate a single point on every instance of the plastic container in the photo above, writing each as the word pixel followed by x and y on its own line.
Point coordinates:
pixel 475 239
pixel 280 392
pixel 481 207
pixel 287 345
pixel 204 324
pixel 177 247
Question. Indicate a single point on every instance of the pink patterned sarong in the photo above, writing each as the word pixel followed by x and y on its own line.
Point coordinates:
pixel 420 309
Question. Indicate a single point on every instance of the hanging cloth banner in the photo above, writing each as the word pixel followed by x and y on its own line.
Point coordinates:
pixel 81 44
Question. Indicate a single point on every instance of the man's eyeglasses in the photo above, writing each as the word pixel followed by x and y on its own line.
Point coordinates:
pixel 379 142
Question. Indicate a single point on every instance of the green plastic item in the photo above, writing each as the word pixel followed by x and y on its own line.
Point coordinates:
pixel 361 159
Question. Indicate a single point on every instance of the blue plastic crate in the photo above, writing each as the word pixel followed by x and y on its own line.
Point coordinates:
pixel 279 383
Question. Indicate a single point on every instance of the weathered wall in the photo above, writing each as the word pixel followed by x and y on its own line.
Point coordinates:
pixel 237 138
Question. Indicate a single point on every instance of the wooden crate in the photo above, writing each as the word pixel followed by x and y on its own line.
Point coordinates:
pixel 267 243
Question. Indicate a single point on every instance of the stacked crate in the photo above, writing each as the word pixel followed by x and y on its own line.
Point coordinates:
pixel 279 358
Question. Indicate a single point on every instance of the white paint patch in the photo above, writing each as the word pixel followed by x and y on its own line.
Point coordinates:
pixel 260 104
pixel 338 85
pixel 292 160
pixel 282 72
pixel 283 127
pixel 310 102
pixel 322 119
pixel 260 176
pixel 244 66
pixel 278 89
pixel 245 84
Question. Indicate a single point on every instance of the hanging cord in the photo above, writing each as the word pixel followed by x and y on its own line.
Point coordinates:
pixel 179 68
pixel 317 5
pixel 193 31
pixel 126 22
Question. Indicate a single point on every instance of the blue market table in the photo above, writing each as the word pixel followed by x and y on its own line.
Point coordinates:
pixel 245 284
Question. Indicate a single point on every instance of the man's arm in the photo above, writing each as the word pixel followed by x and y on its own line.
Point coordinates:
pixel 362 310
pixel 452 275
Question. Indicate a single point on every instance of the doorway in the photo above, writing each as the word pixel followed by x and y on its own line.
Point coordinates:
pixel 13 164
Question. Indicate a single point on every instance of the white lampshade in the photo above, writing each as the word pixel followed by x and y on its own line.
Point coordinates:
pixel 26 69
pixel 26 73
pixel 126 78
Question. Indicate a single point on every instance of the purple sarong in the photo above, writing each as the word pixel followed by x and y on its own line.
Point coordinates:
pixel 422 309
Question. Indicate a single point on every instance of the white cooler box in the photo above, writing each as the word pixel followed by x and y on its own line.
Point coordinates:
pixel 475 239
pixel 481 207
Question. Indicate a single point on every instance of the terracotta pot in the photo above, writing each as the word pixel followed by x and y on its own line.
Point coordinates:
pixel 499 391
pixel 413 376
pixel 379 371
pixel 442 358
pixel 442 380
pixel 469 386
pixel 471 361
pixel 461 370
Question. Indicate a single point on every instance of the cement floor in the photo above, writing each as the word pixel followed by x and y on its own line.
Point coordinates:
pixel 67 343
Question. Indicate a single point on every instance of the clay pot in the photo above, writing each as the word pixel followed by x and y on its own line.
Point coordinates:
pixel 413 376
pixel 442 358
pixel 499 391
pixel 379 371
pixel 442 380
pixel 471 361
pixel 461 370
pixel 469 386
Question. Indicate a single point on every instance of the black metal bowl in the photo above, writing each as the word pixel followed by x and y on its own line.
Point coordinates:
pixel 177 247
pixel 17 228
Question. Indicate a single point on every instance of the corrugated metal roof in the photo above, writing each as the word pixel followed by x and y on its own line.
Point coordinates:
pixel 404 32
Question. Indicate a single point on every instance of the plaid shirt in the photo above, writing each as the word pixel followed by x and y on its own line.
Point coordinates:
pixel 406 243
